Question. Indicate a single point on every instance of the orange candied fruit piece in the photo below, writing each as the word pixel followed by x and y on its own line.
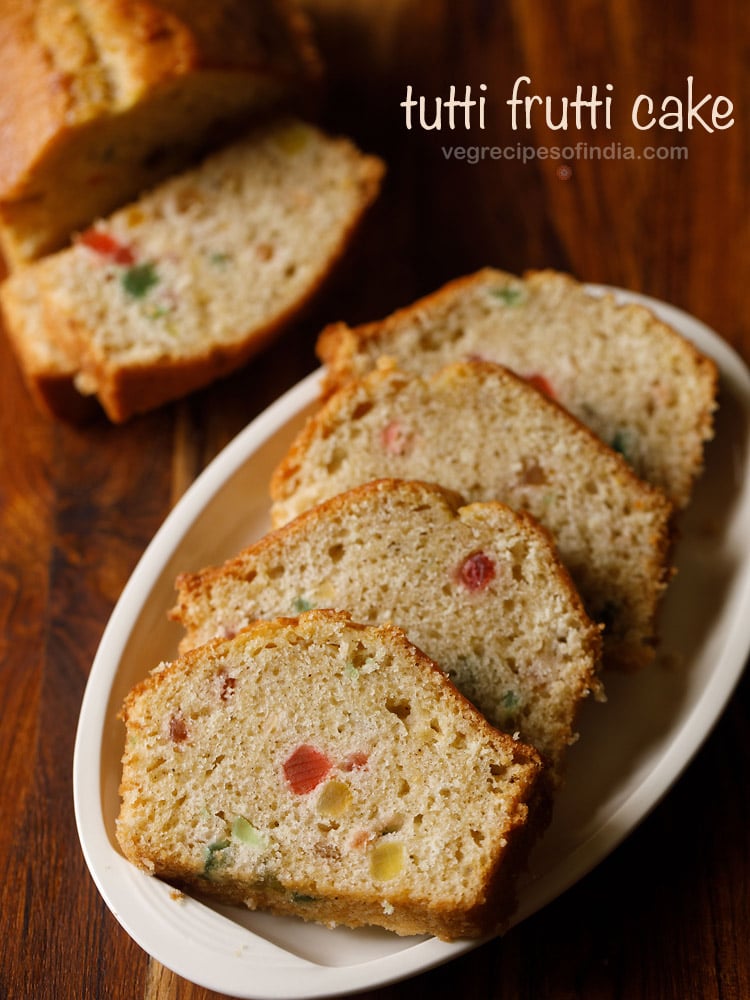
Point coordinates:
pixel 542 384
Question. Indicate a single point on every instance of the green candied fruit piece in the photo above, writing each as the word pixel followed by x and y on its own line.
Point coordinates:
pixel 219 259
pixel 293 138
pixel 300 604
pixel 511 700
pixel 139 279
pixel 509 296
pixel 301 897
pixel 620 443
pixel 351 671
pixel 245 833
pixel 214 857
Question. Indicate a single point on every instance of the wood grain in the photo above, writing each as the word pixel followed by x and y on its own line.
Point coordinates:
pixel 666 916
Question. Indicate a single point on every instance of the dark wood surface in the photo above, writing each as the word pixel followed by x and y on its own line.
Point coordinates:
pixel 666 915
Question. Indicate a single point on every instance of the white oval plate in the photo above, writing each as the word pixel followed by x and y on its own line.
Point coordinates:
pixel 641 739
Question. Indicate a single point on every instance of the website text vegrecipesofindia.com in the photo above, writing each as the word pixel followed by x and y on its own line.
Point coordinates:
pixel 575 151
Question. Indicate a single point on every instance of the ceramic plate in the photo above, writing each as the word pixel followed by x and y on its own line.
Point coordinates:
pixel 706 636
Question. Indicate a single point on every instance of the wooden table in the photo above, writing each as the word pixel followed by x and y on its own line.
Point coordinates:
pixel 667 915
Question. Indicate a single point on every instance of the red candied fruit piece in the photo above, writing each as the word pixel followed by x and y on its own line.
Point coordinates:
pixel 476 571
pixel 356 761
pixel 395 438
pixel 542 384
pixel 226 685
pixel 106 245
pixel 306 768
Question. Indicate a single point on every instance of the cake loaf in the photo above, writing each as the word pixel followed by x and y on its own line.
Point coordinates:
pixel 186 284
pixel 640 386
pixel 100 99
pixel 479 589
pixel 329 770
pixel 480 430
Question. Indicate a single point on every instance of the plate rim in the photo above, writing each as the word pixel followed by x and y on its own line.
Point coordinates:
pixel 287 975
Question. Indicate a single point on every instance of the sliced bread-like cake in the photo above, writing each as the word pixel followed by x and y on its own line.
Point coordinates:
pixel 480 430
pixel 633 380
pixel 479 588
pixel 48 369
pixel 102 99
pixel 186 284
pixel 329 770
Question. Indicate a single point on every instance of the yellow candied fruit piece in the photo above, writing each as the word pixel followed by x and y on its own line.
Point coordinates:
pixel 386 860
pixel 135 216
pixel 324 595
pixel 335 799
pixel 293 138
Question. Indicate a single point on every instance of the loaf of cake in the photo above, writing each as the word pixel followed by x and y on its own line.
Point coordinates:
pixel 326 769
pixel 482 431
pixel 480 589
pixel 639 385
pixel 101 99
pixel 184 285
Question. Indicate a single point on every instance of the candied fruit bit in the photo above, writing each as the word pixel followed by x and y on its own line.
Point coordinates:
pixel 386 860
pixel 360 839
pixel 301 604
pixel 509 295
pixel 476 571
pixel 244 832
pixel 542 384
pixel 293 138
pixel 214 857
pixel 226 684
pixel 356 761
pixel 139 279
pixel 107 246
pixel 621 444
pixel 178 730
pixel 306 768
pixel 511 700
pixel 335 799
pixel 395 438
pixel 532 474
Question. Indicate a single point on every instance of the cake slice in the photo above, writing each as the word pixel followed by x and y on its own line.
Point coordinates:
pixel 479 589
pixel 48 369
pixel 329 770
pixel 100 99
pixel 190 281
pixel 632 379
pixel 480 430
